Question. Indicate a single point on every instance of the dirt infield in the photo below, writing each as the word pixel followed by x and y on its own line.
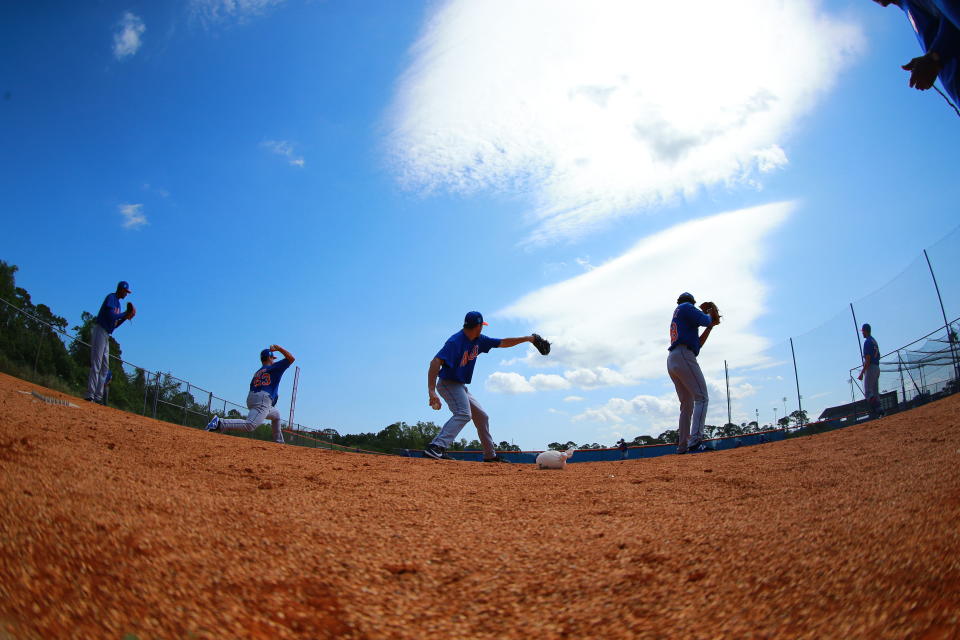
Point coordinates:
pixel 115 524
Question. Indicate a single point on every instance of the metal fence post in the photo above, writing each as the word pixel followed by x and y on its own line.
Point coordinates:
pixel 903 386
pixel 797 378
pixel 726 374
pixel 856 331
pixel 156 395
pixel 209 402
pixel 146 388
pixel 185 405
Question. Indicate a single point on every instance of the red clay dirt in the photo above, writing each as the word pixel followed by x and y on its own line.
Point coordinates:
pixel 115 524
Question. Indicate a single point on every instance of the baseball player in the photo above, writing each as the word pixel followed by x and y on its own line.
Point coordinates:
pixel 682 366
pixel 262 397
pixel 108 318
pixel 871 369
pixel 453 365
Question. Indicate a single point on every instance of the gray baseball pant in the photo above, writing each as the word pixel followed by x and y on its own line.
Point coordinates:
pixel 465 408
pixel 99 363
pixel 692 389
pixel 261 408
pixel 871 387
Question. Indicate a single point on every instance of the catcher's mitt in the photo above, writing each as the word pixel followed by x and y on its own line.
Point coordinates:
pixel 711 310
pixel 131 311
pixel 542 345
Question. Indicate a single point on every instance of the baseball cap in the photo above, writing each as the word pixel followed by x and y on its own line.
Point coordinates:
pixel 123 284
pixel 866 327
pixel 266 353
pixel 686 297
pixel 472 319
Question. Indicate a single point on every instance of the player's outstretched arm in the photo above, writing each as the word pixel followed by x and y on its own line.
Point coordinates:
pixel 286 354
pixel 512 342
pixel 432 372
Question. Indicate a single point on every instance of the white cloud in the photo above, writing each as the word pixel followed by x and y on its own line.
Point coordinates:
pixel 126 41
pixel 547 382
pixel 610 326
pixel 574 399
pixel 591 378
pixel 642 414
pixel 603 109
pixel 285 149
pixel 133 216
pixel 212 12
pixel 508 382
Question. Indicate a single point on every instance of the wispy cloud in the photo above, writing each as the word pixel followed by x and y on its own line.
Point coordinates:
pixel 609 326
pixel 126 40
pixel 211 12
pixel 285 149
pixel 599 110
pixel 133 216
pixel 149 188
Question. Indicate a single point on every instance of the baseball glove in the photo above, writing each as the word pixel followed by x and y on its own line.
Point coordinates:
pixel 711 310
pixel 131 311
pixel 542 345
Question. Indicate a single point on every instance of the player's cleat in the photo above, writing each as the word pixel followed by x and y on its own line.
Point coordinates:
pixel 214 425
pixel 436 452
pixel 496 458
pixel 699 448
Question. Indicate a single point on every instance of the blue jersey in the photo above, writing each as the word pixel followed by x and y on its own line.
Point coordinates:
pixel 268 378
pixel 110 314
pixel 937 32
pixel 684 327
pixel 459 355
pixel 872 349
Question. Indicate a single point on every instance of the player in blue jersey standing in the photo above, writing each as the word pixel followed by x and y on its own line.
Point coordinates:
pixel 870 373
pixel 262 397
pixel 451 370
pixel 108 318
pixel 685 343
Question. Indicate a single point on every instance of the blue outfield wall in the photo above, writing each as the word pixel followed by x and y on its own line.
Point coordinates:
pixel 607 455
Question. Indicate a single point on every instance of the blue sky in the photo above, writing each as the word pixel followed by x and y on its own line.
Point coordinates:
pixel 347 180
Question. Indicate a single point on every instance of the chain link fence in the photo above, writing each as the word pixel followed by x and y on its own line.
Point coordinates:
pixel 803 384
pixel 813 377
pixel 137 389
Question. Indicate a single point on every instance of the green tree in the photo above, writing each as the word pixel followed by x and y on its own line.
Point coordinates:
pixel 670 436
pixel 784 421
pixel 799 417
pixel 730 429
pixel 30 342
